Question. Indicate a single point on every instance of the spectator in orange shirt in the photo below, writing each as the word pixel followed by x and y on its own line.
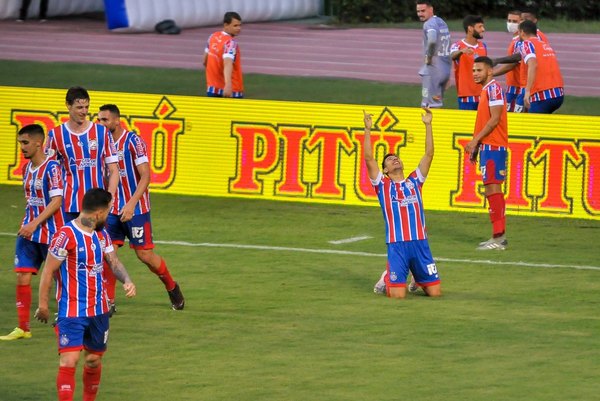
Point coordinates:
pixel 223 60
pixel 463 53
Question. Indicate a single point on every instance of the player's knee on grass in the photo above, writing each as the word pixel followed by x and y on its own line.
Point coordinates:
pixel 433 291
pixel 397 292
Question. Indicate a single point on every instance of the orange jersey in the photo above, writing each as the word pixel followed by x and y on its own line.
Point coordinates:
pixel 220 46
pixel 512 77
pixel 463 68
pixel 548 75
pixel 542 36
pixel 492 95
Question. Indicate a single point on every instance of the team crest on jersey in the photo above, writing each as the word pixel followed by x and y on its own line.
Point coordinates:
pixel 93 247
pixel 409 185
pixel 393 276
pixel 93 144
pixel 64 340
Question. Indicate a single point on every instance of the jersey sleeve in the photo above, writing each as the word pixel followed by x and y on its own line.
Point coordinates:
pixel 527 51
pixel 110 151
pixel 108 245
pixel 50 145
pixel 455 47
pixel 377 180
pixel 55 182
pixel 495 95
pixel 61 244
pixel 138 150
pixel 230 49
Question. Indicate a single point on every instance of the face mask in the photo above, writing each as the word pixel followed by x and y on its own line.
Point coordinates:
pixel 512 27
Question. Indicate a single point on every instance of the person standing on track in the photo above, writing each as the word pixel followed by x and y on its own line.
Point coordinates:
pixel 463 53
pixel 435 73
pixel 43 185
pixel 490 142
pixel 130 215
pixel 223 60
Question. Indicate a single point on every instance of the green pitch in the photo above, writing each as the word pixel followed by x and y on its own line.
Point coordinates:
pixel 268 323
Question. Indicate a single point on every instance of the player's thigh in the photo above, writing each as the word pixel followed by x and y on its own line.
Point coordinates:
pixel 139 231
pixel 116 229
pixel 70 332
pixel 398 264
pixel 492 164
pixel 95 339
pixel 422 265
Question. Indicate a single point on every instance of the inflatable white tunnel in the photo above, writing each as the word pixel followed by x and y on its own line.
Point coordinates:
pixel 143 15
pixel 10 8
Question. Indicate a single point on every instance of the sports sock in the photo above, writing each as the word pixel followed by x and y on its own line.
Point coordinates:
pixel 110 282
pixel 23 305
pixel 65 383
pixel 164 275
pixel 497 209
pixel 91 382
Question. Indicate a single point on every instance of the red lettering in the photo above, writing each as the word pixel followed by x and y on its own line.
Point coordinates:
pixel 291 183
pixel 555 155
pixel 257 152
pixel 516 195
pixel 591 176
pixel 468 179
pixel 330 142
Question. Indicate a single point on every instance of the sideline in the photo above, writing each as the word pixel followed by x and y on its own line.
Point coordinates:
pixel 355 253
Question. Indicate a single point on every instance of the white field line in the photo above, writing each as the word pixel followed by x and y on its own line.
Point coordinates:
pixel 349 240
pixel 366 254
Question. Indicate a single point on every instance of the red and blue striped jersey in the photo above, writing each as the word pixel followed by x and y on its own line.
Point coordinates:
pixel 402 207
pixel 80 290
pixel 41 184
pixel 132 152
pixel 83 157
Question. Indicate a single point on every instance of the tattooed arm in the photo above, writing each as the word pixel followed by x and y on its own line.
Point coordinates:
pixel 120 273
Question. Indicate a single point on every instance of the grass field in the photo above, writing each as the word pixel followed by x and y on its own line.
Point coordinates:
pixel 270 324
pixel 257 86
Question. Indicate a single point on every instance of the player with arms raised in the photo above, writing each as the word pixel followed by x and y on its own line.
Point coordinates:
pixel 401 202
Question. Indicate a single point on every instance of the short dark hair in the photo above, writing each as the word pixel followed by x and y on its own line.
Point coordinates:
pixel 112 108
pixel 76 92
pixel 230 16
pixel 530 10
pixel 384 159
pixel 429 3
pixel 95 199
pixel 515 12
pixel 529 27
pixel 471 20
pixel 485 60
pixel 35 130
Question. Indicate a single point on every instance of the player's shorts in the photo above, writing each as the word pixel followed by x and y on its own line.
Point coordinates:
pixel 492 163
pixel 467 105
pixel 434 80
pixel 511 97
pixel 77 333
pixel 546 106
pixel 520 103
pixel 414 256
pixel 29 255
pixel 138 231
pixel 211 91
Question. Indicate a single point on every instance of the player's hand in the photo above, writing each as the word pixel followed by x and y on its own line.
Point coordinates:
pixel 127 212
pixel 472 147
pixel 27 230
pixel 129 289
pixel 428 60
pixel 467 50
pixel 526 103
pixel 427 116
pixel 42 314
pixel 227 91
pixel 368 119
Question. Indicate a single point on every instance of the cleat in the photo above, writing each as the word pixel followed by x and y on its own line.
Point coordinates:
pixel 16 334
pixel 498 244
pixel 176 297
pixel 379 287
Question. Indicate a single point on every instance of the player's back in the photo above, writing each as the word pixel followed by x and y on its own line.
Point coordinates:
pixel 442 47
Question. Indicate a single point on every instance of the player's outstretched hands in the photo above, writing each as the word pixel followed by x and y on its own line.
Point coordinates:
pixel 368 118
pixel 42 314
pixel 129 289
pixel 427 116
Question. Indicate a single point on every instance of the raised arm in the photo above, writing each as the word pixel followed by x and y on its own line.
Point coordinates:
pixel 372 167
pixel 425 162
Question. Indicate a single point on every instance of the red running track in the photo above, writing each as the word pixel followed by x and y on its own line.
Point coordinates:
pixel 279 48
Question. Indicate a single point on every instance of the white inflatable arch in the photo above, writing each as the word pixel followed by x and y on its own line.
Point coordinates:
pixel 10 8
pixel 143 15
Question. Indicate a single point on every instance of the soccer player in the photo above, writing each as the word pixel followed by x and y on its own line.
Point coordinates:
pixel 435 73
pixel 43 186
pixel 223 60
pixel 544 91
pixel 130 216
pixel 490 141
pixel 401 202
pixel 513 83
pixel 463 53
pixel 75 259
pixel 531 15
pixel 85 150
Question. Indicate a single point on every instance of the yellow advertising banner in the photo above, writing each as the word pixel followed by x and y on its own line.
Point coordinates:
pixel 311 152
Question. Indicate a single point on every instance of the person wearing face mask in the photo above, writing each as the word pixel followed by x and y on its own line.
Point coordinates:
pixel 514 89
pixel 463 53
